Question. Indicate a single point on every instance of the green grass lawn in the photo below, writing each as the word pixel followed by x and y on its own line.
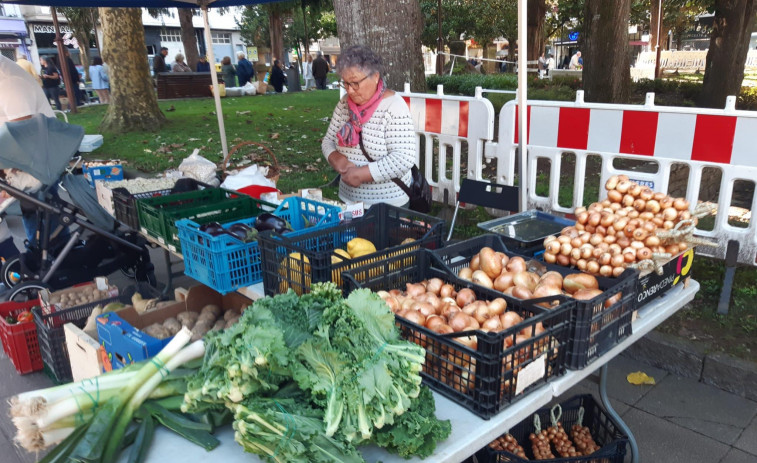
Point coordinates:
pixel 292 125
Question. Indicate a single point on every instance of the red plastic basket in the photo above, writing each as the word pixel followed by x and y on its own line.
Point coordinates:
pixel 20 339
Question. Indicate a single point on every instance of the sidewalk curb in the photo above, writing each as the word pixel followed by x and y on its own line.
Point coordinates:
pixel 683 358
pixel 668 353
pixel 731 374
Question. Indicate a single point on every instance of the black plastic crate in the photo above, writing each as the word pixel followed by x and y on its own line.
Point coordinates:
pixel 485 379
pixel 125 203
pixel 596 328
pixel 298 262
pixel 52 338
pixel 604 430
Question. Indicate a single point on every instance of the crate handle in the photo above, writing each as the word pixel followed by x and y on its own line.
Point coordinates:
pixel 555 416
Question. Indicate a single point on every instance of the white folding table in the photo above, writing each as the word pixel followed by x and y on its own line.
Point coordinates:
pixel 469 432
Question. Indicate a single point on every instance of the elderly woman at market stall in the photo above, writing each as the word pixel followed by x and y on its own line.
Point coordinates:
pixel 371 138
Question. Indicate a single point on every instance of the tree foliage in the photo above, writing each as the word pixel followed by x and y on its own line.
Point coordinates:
pixel 254 25
pixel 82 24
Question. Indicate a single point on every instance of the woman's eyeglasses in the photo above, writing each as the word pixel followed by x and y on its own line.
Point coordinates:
pixel 354 85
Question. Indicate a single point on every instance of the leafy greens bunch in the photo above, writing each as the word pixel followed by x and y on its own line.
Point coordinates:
pixel 310 377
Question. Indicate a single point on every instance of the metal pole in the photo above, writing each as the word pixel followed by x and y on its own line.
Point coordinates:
pixel 439 41
pixel 657 46
pixel 71 96
pixel 522 101
pixel 214 78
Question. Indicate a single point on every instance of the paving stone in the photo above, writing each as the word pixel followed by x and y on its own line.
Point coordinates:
pixel 671 354
pixel 661 441
pixel 731 374
pixel 737 456
pixel 618 386
pixel 700 407
pixel 748 440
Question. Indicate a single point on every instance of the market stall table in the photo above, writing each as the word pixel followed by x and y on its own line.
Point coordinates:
pixel 469 432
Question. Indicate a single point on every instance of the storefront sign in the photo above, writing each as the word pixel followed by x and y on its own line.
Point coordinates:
pixel 49 29
pixel 13 44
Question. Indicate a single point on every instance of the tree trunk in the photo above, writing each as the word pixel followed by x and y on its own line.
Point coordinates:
pixel 606 71
pixel 275 26
pixel 83 40
pixel 729 44
pixel 391 29
pixel 307 38
pixel 189 37
pixel 537 13
pixel 133 103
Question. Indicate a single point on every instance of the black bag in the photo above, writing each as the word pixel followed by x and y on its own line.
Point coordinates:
pixel 419 190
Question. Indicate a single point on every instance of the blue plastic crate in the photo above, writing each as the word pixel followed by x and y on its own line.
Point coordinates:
pixel 226 264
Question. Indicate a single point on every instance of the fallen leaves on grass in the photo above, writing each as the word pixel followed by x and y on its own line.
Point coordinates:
pixel 275 136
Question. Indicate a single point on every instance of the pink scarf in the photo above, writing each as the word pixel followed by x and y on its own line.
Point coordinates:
pixel 349 134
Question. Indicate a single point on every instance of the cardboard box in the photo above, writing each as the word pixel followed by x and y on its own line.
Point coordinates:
pixel 675 272
pixel 105 198
pixel 107 173
pixel 120 333
pixel 121 336
pixel 84 352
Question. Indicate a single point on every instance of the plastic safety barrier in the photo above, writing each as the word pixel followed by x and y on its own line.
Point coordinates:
pixel 704 140
pixel 449 122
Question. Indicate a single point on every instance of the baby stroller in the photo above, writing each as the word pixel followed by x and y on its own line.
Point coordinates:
pixel 74 242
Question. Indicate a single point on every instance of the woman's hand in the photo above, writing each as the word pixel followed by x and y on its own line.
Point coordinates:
pixel 339 162
pixel 356 176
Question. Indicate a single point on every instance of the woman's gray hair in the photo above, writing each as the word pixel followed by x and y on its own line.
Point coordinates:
pixel 179 57
pixel 361 57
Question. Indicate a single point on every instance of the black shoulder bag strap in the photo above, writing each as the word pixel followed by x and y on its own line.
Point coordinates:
pixel 397 181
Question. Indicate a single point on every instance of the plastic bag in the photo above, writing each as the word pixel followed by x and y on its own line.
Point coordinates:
pixel 250 88
pixel 252 175
pixel 199 168
pixel 221 89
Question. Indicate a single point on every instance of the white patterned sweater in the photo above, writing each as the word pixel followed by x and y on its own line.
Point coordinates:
pixel 389 138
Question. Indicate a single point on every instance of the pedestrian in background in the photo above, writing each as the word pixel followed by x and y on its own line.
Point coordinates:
pixel 203 65
pixel 100 80
pixel 321 70
pixel 228 73
pixel 180 65
pixel 550 63
pixel 73 73
pixel 159 61
pixel 308 73
pixel 278 78
pixel 51 80
pixel 245 71
pixel 27 66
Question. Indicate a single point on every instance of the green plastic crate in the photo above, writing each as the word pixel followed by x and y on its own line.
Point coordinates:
pixel 158 215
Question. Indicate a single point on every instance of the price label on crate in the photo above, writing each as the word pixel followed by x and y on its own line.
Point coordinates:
pixel 357 209
pixel 531 374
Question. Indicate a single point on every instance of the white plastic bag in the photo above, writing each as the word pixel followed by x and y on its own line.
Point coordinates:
pixel 199 168
pixel 249 89
pixel 252 175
